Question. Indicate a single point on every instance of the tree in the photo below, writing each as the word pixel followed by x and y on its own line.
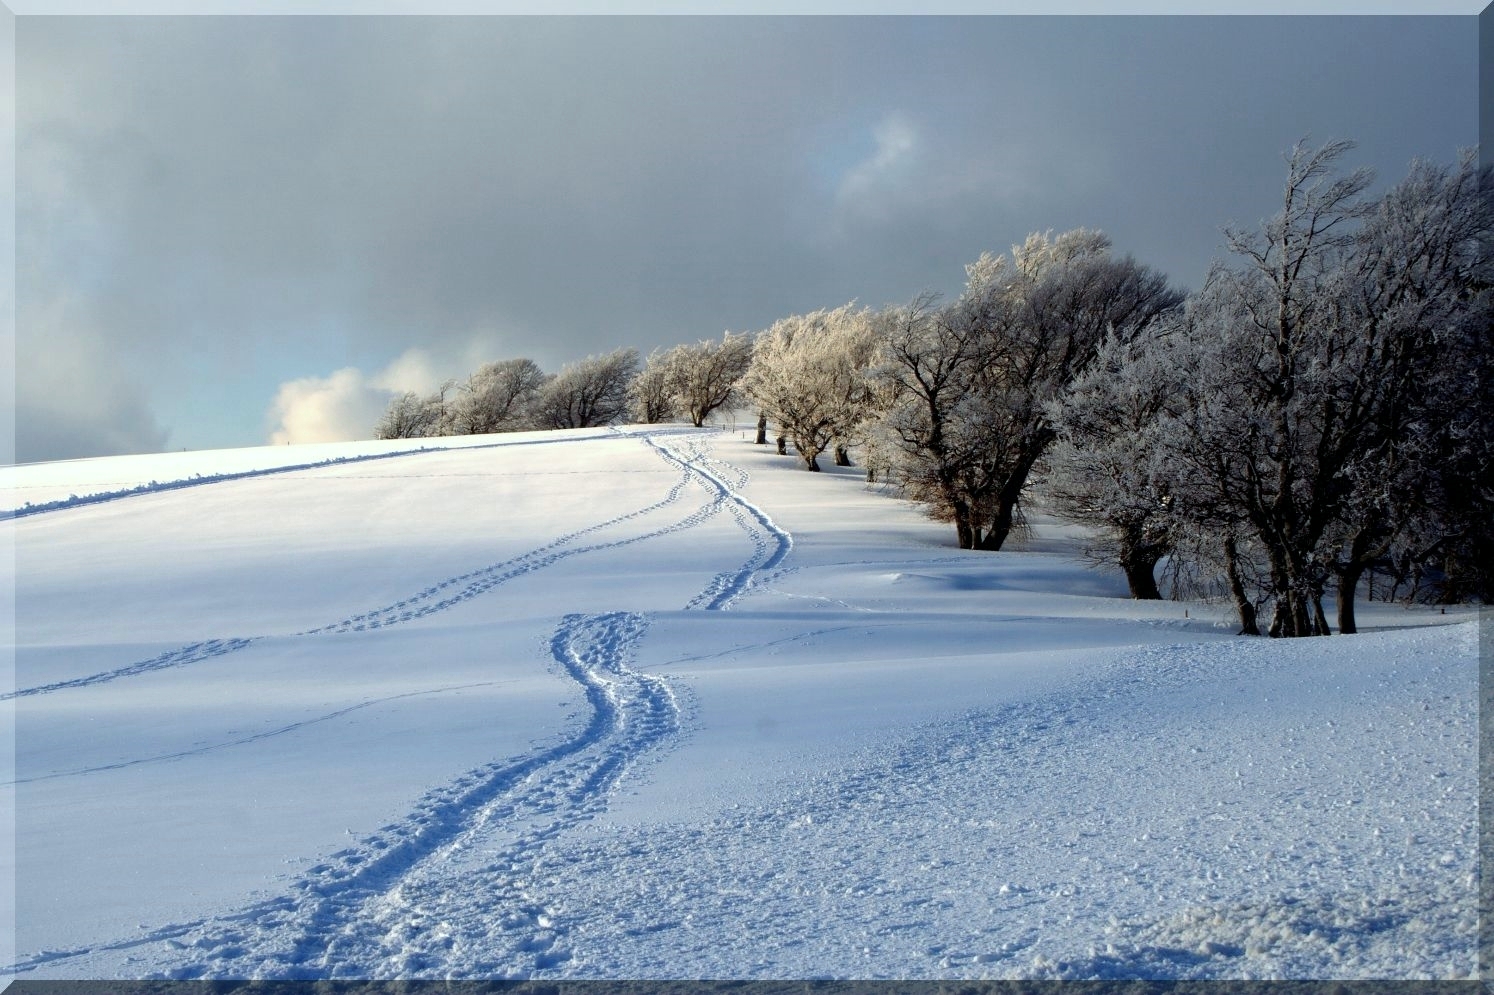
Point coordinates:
pixel 974 381
pixel 410 416
pixel 589 393
pixel 1318 399
pixel 811 374
pixel 703 377
pixel 1048 315
pixel 1411 310
pixel 929 358
pixel 1203 442
pixel 405 418
pixel 1099 469
pixel 651 396
pixel 497 397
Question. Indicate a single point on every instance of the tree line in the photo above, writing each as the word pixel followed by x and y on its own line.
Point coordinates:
pixel 1319 409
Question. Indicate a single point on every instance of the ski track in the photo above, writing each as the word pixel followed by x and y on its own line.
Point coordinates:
pixel 454 889
pixel 771 544
pixel 438 597
pixel 198 480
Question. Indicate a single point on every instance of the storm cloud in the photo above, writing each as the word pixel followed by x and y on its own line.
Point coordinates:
pixel 223 221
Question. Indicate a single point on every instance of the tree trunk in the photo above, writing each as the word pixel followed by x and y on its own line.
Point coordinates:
pixel 1348 582
pixel 1141 575
pixel 1006 501
pixel 843 456
pixel 782 446
pixel 1319 620
pixel 1244 607
pixel 964 529
pixel 762 428
pixel 812 463
pixel 1278 621
pixel 1291 616
pixel 1292 610
pixel 992 540
pixel 1301 613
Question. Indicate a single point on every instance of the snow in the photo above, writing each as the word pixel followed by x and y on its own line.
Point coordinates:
pixel 653 702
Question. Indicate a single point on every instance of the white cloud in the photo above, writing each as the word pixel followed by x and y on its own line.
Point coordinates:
pixel 412 370
pixel 879 175
pixel 345 405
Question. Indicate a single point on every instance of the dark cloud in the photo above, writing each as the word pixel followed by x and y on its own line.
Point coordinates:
pixel 243 202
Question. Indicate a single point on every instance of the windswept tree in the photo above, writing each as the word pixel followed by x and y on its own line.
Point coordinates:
pixel 407 417
pixel 812 376
pixel 1321 379
pixel 975 381
pixel 651 396
pixel 410 416
pixel 589 393
pixel 1099 470
pixel 702 378
pixel 497 397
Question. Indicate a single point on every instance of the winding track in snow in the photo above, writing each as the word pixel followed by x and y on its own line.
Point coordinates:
pixel 395 903
pixel 438 597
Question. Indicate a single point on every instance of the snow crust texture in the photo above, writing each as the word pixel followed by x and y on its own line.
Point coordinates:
pixel 685 741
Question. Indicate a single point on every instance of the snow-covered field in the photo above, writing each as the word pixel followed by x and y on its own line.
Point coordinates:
pixel 654 703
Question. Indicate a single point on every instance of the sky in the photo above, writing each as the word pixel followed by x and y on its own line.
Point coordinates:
pixel 236 231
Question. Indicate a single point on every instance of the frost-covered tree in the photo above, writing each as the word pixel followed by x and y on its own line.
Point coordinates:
pixel 1409 311
pixel 405 418
pixel 410 416
pixel 1047 316
pixel 651 396
pixel 497 397
pixel 703 377
pixel 812 375
pixel 974 381
pixel 1203 446
pixel 929 360
pixel 1319 375
pixel 589 393
pixel 1099 468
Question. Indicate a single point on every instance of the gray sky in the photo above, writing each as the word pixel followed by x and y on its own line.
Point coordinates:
pixel 239 230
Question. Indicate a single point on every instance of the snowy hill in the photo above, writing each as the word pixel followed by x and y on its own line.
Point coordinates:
pixel 653 703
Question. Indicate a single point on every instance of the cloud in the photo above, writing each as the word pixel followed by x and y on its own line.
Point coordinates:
pixel 346 404
pixel 73 395
pixel 117 423
pixel 886 172
pixel 237 202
